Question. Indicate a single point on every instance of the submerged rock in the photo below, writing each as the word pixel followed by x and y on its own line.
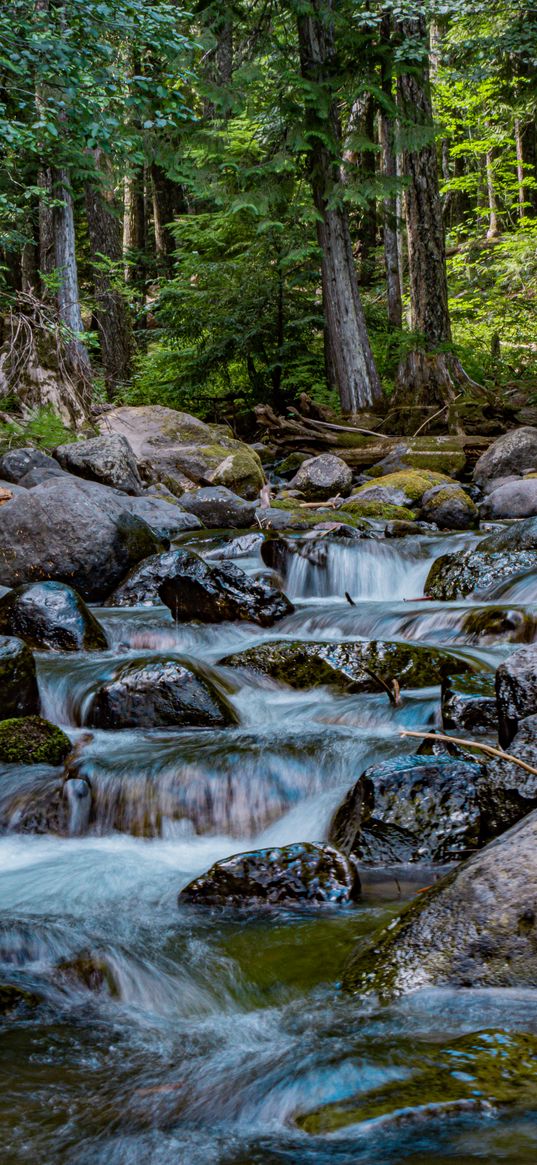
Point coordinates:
pixel 348 666
pixel 18 683
pixel 302 873
pixel 30 740
pixel 499 624
pixel 513 452
pixel 516 691
pixel 474 928
pixel 323 477
pixel 50 614
pixel 72 531
pixel 108 459
pixel 219 508
pixel 213 592
pixel 517 536
pixel 157 693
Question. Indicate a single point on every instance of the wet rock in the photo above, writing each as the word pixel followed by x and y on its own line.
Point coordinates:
pixel 469 704
pixel 157 693
pixel 30 740
pixel 213 592
pixel 475 928
pixel 280 518
pixel 88 969
pixel 295 874
pixel 13 998
pixel 398 529
pixel 512 453
pixel 516 499
pixel 351 667
pixel 218 508
pixel 237 547
pixel 516 691
pixel 499 624
pixel 510 792
pixel 454 576
pixel 176 449
pixel 141 585
pixel 77 794
pixel 450 508
pixel 351 816
pixel 515 537
pixel 168 520
pixel 73 531
pixel 323 477
pixel 379 843
pixel 15 464
pixel 18 683
pixel 108 459
pixel 404 488
pixel 50 614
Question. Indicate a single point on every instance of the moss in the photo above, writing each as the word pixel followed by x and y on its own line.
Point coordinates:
pixel 236 466
pixel 447 495
pixel 314 517
pixel 374 509
pixel 413 482
pixel 30 740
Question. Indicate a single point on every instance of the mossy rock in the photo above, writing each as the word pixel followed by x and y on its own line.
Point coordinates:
pixel 12 997
pixel 237 467
pixel 382 511
pixel 30 740
pixel 414 483
pixel 302 519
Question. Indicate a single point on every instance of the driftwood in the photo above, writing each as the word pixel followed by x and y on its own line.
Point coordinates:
pixel 486 748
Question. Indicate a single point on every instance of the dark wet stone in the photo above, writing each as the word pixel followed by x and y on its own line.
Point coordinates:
pixel 50 614
pixel 18 683
pixel 348 666
pixel 469 704
pixel 302 873
pixel 71 531
pixel 512 453
pixel 454 576
pixel 30 740
pixel 380 843
pixel 140 587
pixel 108 459
pixel 475 928
pixel 15 464
pixel 156 693
pixel 351 816
pixel 214 592
pixel 15 998
pixel 401 529
pixel 516 691
pixel 510 792
pixel 88 969
pixel 219 508
pixel 237 547
pixel 517 536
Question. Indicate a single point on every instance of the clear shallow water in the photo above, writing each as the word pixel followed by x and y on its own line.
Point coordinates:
pixel 226 1039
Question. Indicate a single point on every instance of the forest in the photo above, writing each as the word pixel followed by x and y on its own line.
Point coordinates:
pixel 255 200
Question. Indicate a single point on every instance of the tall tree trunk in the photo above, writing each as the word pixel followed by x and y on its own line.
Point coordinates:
pixel 112 313
pixel 168 201
pixel 361 125
pixel 354 368
pixel 134 227
pixel 429 376
pixel 63 224
pixel 493 227
pixel 389 169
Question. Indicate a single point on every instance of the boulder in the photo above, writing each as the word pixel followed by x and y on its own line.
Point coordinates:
pixel 18 683
pixel 510 792
pixel 301 874
pixel 511 454
pixel 72 531
pixel 153 693
pixel 515 537
pixel 218 508
pixel 30 740
pixel 323 477
pixel 50 614
pixel 177 449
pixel 107 459
pixel 515 499
pixel 474 928
pixel 214 592
pixel 404 488
pixel 40 474
pixel 399 529
pixel 433 800
pixel 469 704
pixel 516 691
pixel 350 667
pixel 141 585
pixel 499 625
pixel 377 509
pixel 449 507
pixel 454 576
pixel 167 520
pixel 16 463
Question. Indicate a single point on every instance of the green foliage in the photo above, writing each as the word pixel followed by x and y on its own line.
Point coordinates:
pixel 43 429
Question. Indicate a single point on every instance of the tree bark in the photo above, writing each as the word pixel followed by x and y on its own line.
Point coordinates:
pixel 112 314
pixel 390 216
pixel 354 368
pixel 133 226
pixel 168 201
pixel 63 224
pixel 493 228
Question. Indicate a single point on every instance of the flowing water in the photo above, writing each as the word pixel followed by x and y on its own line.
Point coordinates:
pixel 165 1035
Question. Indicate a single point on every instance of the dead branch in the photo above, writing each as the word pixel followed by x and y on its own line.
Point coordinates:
pixel 487 748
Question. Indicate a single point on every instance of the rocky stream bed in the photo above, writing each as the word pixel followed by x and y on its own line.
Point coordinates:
pixel 243 918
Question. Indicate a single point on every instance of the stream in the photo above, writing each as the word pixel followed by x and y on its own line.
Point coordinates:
pixel 215 1037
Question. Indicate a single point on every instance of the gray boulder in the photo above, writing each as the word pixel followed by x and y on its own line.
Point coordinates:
pixel 73 531
pixel 454 576
pixel 18 683
pixel 167 519
pixel 157 693
pixel 141 586
pixel 449 507
pixel 295 874
pixel 516 691
pixel 50 614
pixel 218 508
pixel 469 704
pixel 516 499
pixel 40 474
pixel 511 454
pixel 517 536
pixel 213 592
pixel 510 792
pixel 323 477
pixel 16 463
pixel 475 928
pixel 108 459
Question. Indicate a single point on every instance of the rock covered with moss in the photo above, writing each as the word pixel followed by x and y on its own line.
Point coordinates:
pixel 219 508
pixel 323 477
pixel 50 615
pixel 449 507
pixel 303 873
pixel 18 683
pixel 454 576
pixel 31 740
